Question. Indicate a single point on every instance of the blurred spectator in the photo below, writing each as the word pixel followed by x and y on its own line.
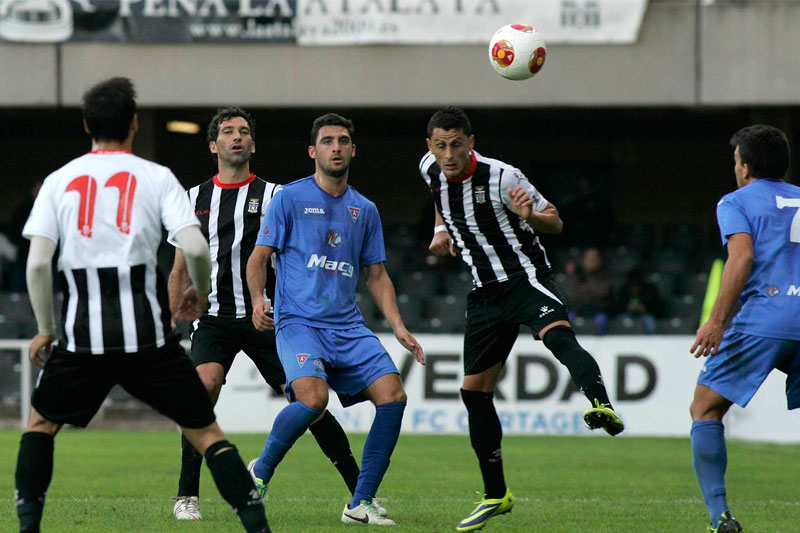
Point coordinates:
pixel 15 224
pixel 8 257
pixel 590 290
pixel 588 218
pixel 638 299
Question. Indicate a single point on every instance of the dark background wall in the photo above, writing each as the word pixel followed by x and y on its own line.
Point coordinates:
pixel 654 166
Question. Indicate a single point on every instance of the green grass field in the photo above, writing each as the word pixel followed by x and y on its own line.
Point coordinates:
pixel 123 481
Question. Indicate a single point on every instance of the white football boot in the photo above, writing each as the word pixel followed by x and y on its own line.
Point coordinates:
pixel 186 508
pixel 365 513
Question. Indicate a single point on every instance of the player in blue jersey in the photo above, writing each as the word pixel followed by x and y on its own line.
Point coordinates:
pixel 323 233
pixel 760 225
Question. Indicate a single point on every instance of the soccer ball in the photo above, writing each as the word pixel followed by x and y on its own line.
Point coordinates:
pixel 517 51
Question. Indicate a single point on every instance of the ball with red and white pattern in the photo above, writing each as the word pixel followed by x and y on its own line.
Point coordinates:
pixel 517 51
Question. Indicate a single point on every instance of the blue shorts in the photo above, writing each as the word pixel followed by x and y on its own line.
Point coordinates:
pixel 349 360
pixel 744 362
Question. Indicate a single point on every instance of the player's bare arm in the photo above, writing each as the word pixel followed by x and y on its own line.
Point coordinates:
pixel 545 221
pixel 191 303
pixel 178 280
pixel 256 279
pixel 40 290
pixel 381 288
pixel 442 243
pixel 734 278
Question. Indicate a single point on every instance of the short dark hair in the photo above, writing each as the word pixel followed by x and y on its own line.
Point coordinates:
pixel 227 113
pixel 765 149
pixel 450 118
pixel 108 109
pixel 330 119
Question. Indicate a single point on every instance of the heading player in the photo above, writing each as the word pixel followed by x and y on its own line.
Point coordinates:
pixel 493 214
pixel 231 207
pixel 105 211
pixel 760 227
pixel 323 233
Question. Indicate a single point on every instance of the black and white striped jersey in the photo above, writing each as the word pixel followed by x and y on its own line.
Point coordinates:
pixel 105 210
pixel 230 216
pixel 494 242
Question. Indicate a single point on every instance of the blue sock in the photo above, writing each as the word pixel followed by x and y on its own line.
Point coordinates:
pixel 710 459
pixel 378 450
pixel 290 423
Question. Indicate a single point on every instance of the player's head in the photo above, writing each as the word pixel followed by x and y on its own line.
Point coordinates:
pixel 332 145
pixel 231 136
pixel 109 110
pixel 450 140
pixel 760 152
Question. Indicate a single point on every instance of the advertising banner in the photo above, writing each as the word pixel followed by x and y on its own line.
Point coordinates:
pixel 316 22
pixel 465 21
pixel 650 380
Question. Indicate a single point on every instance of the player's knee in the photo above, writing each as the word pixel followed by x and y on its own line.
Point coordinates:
pixel 315 400
pixel 40 424
pixel 701 411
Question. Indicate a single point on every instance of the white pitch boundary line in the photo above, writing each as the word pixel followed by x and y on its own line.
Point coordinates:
pixel 657 501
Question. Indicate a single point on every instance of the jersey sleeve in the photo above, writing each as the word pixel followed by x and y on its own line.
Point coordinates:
pixel 43 219
pixel 373 251
pixel 513 178
pixel 171 236
pixel 731 219
pixel 275 226
pixel 176 209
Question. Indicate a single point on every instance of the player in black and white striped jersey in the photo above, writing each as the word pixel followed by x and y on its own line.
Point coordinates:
pixel 105 210
pixel 230 207
pixel 492 214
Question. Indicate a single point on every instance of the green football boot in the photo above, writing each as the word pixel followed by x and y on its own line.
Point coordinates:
pixel 727 524
pixel 487 508
pixel 261 487
pixel 603 416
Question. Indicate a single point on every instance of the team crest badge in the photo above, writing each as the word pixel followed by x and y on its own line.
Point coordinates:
pixel 480 194
pixel 354 211
pixel 252 205
pixel 334 239
pixel 301 359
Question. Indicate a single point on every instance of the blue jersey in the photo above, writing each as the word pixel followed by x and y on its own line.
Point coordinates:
pixel 321 242
pixel 768 210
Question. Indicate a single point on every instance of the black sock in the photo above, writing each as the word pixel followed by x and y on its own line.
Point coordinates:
pixel 191 463
pixel 34 472
pixel 485 435
pixel 581 365
pixel 334 444
pixel 236 485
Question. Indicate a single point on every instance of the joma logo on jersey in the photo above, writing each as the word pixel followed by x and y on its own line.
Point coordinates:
pixel 321 261
pixel 314 211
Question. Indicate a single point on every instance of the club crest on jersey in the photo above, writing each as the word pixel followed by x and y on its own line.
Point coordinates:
pixel 354 211
pixel 334 239
pixel 252 205
pixel 772 290
pixel 480 194
pixel 301 358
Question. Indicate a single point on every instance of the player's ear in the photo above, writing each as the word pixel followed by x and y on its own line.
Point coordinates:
pixel 253 148
pixel 135 123
pixel 428 142
pixel 213 147
pixel 471 142
pixel 312 152
pixel 86 127
pixel 353 150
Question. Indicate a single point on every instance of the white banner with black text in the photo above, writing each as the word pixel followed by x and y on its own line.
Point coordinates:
pixel 465 21
pixel 650 380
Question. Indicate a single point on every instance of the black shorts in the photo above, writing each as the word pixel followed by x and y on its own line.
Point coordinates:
pixel 72 387
pixel 218 340
pixel 495 312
